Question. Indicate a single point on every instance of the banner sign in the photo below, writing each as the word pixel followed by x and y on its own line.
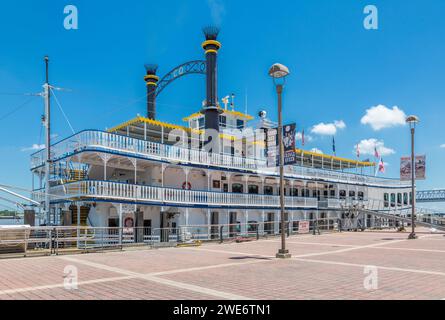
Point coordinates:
pixel 420 168
pixel 272 147
pixel 289 142
pixel 289 137
pixel 420 164
pixel 303 227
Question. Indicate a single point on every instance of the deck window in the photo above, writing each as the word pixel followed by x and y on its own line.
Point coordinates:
pixel 268 190
pixel 342 194
pixel 386 200
pixel 201 123
pixel 393 199
pixel 405 199
pixel 332 193
pixel 237 188
pixel 222 121
pixel 253 189
pixel 294 192
pixel 399 199
pixel 361 196
pixel 352 195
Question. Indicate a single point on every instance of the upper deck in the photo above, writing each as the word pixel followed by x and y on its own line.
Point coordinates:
pixel 311 166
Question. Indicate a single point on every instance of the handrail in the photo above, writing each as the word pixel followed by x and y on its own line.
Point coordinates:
pixel 116 142
pixel 131 192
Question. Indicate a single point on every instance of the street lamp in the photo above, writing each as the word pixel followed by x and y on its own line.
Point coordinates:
pixel 412 121
pixel 279 73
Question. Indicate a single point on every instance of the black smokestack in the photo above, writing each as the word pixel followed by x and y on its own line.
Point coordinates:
pixel 151 80
pixel 211 47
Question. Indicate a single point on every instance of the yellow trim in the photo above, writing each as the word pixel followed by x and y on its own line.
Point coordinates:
pixel 229 112
pixel 325 156
pixel 153 122
pixel 211 51
pixel 151 76
pixel 192 116
pixel 152 84
pixel 239 114
pixel 209 42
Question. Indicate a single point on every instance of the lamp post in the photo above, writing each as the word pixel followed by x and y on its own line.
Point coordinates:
pixel 413 121
pixel 279 73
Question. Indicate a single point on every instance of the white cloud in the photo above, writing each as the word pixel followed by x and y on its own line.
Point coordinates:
pixel 340 124
pixel 442 146
pixel 316 150
pixel 307 138
pixel 34 147
pixel 328 129
pixel 380 117
pixel 367 147
pixel 217 10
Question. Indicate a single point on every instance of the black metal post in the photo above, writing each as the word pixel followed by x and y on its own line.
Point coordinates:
pixel 413 187
pixel 283 253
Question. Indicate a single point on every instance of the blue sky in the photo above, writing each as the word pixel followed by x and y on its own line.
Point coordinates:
pixel 339 69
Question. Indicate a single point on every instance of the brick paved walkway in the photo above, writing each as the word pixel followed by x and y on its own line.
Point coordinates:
pixel 330 266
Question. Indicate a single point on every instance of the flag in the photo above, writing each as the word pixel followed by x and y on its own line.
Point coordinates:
pixel 381 166
pixel 358 151
pixel 333 145
pixel 302 138
pixel 376 153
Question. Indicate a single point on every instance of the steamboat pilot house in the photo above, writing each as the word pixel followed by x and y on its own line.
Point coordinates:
pixel 153 174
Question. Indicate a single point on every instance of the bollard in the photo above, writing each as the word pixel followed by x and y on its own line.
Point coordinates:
pixel 221 239
pixel 50 242
pixel 258 232
pixel 26 243
pixel 288 229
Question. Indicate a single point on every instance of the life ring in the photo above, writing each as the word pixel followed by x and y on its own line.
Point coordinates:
pixel 187 186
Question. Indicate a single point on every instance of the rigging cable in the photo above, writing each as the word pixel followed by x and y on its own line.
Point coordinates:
pixel 16 109
pixel 63 112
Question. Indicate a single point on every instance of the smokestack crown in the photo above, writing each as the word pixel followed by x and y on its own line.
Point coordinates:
pixel 151 68
pixel 211 32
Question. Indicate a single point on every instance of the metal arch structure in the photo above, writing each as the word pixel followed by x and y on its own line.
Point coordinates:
pixel 191 67
pixel 17 204
pixel 4 189
pixel 431 196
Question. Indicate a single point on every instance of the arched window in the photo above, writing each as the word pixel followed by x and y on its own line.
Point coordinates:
pixel 237 188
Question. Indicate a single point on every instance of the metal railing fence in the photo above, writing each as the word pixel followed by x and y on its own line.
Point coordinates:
pixel 61 240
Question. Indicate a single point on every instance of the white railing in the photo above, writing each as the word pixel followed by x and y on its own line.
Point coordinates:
pixel 104 140
pixel 99 140
pixel 129 192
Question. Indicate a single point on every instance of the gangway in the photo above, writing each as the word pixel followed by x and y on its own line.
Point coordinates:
pixel 399 218
pixel 357 215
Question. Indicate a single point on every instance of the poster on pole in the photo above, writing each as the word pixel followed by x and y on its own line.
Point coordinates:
pixel 289 138
pixel 289 143
pixel 303 227
pixel 420 164
pixel 420 168
pixel 405 168
pixel 272 147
